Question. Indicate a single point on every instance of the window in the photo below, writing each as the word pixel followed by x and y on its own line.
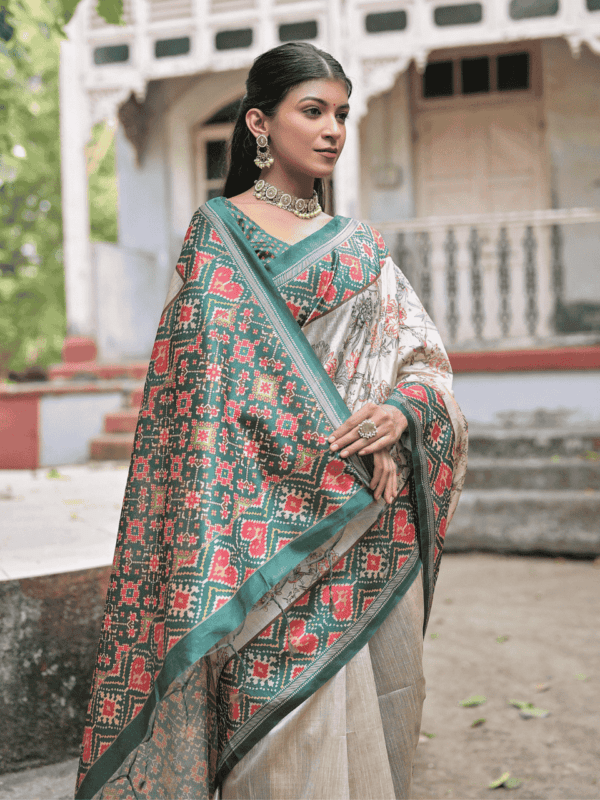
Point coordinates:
pixel 475 75
pixel 466 14
pixel 112 54
pixel 172 47
pixel 526 9
pixel 298 30
pixel 513 72
pixel 231 40
pixel 211 158
pixel 438 80
pixel 216 155
pixel 386 21
pixel 506 72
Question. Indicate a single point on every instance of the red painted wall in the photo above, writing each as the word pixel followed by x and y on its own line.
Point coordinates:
pixel 559 358
pixel 19 431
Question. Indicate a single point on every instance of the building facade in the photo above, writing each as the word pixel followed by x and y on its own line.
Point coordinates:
pixel 473 144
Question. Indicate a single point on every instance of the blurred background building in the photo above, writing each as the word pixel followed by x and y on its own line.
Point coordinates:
pixel 473 144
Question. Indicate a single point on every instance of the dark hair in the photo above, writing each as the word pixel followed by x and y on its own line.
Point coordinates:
pixel 271 77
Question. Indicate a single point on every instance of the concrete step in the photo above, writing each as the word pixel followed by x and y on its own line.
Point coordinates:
pixel 527 521
pixel 556 473
pixel 495 442
pixel 121 421
pixel 111 447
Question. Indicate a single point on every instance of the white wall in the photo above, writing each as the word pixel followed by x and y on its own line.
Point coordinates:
pixel 385 133
pixel 130 295
pixel 68 423
pixel 572 111
pixel 501 397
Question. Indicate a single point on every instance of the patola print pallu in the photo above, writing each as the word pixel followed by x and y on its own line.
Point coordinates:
pixel 252 562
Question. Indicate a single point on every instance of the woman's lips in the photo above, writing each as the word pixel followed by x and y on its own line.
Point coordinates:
pixel 327 153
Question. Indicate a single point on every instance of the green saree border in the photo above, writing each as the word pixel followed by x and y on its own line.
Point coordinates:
pixel 324 668
pixel 297 256
pixel 426 515
pixel 196 644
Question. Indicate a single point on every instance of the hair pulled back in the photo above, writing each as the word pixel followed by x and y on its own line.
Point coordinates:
pixel 271 77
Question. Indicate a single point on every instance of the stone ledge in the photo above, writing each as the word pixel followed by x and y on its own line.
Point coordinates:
pixel 49 628
pixel 522 521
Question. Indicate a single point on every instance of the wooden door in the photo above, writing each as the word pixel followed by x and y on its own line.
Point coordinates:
pixel 477 160
pixel 481 159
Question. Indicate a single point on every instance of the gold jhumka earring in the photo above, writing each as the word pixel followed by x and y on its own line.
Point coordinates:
pixel 263 159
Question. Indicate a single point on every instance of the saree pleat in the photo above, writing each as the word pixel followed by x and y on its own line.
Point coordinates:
pixel 264 617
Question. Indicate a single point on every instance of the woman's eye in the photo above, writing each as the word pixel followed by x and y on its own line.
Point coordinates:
pixel 343 117
pixel 311 110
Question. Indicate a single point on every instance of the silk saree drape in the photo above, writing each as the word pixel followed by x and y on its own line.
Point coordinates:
pixel 252 561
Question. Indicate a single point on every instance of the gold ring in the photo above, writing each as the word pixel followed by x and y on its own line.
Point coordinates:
pixel 367 429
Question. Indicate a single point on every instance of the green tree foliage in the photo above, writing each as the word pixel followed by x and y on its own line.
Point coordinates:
pixel 32 314
pixel 32 303
pixel 102 183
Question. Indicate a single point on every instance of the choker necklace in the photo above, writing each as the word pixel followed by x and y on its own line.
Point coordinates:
pixel 305 209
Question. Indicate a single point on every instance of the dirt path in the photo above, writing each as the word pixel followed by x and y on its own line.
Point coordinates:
pixel 545 612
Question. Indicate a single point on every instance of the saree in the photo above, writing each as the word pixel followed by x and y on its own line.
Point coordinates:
pixel 252 563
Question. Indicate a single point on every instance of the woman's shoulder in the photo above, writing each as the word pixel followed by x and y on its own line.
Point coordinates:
pixel 372 237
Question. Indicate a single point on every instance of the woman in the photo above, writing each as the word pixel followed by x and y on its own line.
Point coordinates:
pixel 297 458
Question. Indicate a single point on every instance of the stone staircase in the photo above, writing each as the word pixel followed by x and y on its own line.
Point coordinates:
pixel 116 442
pixel 530 490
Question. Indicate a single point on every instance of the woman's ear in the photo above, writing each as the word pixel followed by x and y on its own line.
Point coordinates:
pixel 257 122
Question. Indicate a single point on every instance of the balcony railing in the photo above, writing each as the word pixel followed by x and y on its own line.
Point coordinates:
pixel 498 280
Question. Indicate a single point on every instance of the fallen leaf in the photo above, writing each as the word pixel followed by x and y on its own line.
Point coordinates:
pixel 581 676
pixel 512 783
pixel 73 502
pixel 425 737
pixel 543 687
pixel 528 710
pixel 435 636
pixel 502 639
pixel 477 723
pixel 54 475
pixel 474 700
pixel 499 781
pixel 555 459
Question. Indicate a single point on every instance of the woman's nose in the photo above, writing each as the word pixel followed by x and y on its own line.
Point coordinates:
pixel 333 128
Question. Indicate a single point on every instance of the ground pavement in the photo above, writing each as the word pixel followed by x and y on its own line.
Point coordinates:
pixel 502 628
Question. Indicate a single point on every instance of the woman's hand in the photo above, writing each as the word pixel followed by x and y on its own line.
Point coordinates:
pixel 385 478
pixel 390 423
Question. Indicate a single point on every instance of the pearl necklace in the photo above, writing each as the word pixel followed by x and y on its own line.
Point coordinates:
pixel 305 209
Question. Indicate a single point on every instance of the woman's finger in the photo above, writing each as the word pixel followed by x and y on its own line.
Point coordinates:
pixel 390 490
pixel 353 421
pixel 381 443
pixel 373 445
pixel 377 471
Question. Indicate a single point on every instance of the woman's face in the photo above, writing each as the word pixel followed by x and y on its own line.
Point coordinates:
pixel 307 131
